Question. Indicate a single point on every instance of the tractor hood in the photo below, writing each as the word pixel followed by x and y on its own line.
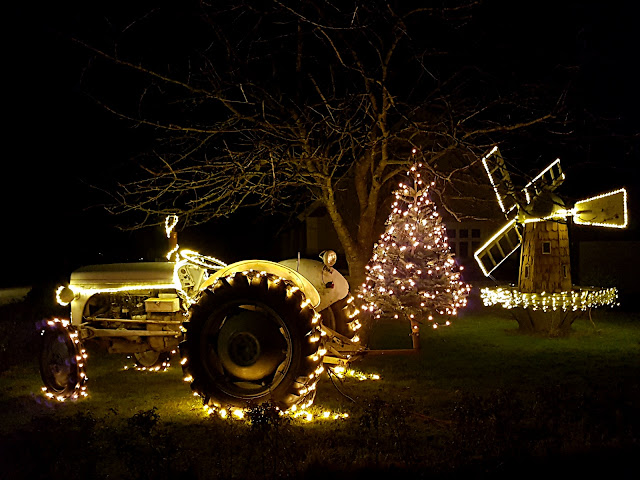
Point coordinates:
pixel 123 274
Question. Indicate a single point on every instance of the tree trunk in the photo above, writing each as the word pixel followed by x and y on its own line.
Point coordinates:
pixel 357 264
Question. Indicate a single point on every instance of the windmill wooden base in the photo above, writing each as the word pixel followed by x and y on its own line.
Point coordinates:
pixel 551 324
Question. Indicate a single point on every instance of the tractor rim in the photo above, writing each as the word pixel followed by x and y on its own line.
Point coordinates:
pixel 248 348
pixel 59 362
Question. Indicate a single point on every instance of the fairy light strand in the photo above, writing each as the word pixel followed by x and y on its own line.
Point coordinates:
pixel 574 300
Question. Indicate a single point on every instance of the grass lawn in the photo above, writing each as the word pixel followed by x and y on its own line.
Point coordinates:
pixel 478 399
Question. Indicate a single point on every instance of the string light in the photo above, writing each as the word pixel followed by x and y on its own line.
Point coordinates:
pixel 163 367
pixel 307 414
pixel 576 299
pixel 170 223
pixel 205 261
pixel 343 372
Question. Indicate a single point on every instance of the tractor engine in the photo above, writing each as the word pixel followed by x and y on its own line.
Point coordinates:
pixel 152 323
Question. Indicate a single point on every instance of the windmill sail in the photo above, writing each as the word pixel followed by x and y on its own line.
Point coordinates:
pixel 498 248
pixel 605 210
pixel 500 179
pixel 548 179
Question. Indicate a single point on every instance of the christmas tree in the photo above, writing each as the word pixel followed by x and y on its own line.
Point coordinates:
pixel 412 274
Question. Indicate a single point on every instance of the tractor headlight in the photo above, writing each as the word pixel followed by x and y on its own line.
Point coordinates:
pixel 329 258
pixel 64 295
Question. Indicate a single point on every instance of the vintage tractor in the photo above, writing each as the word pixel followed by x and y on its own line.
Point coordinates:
pixel 248 333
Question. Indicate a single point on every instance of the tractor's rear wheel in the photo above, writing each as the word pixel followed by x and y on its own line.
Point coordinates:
pixel 252 338
pixel 345 318
pixel 61 360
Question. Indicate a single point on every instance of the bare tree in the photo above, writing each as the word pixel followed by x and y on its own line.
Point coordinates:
pixel 283 103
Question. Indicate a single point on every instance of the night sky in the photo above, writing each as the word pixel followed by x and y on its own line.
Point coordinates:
pixel 58 140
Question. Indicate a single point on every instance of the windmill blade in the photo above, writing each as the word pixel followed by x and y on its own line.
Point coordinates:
pixel 500 179
pixel 503 243
pixel 548 179
pixel 605 210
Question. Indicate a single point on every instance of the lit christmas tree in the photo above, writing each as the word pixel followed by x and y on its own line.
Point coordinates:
pixel 412 274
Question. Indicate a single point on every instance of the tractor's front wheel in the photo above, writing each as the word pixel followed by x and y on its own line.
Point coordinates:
pixel 252 338
pixel 61 360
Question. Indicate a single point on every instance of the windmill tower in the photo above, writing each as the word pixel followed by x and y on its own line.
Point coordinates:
pixel 537 221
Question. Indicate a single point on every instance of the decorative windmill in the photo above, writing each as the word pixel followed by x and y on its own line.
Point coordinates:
pixel 536 220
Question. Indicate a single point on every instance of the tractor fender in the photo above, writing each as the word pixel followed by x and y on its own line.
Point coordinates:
pixel 266 266
pixel 328 281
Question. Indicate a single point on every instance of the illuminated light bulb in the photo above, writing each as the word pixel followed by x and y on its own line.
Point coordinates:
pixel 238 413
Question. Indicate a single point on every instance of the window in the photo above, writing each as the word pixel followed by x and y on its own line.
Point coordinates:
pixel 565 271
pixel 526 271
pixel 464 249
pixel 464 233
pixel 451 232
pixel 475 246
pixel 546 248
pixel 475 233
pixel 452 248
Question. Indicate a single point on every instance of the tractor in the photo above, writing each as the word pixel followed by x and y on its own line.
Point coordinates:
pixel 251 332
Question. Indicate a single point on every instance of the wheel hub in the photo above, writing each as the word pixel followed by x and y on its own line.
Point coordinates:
pixel 250 344
pixel 244 349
